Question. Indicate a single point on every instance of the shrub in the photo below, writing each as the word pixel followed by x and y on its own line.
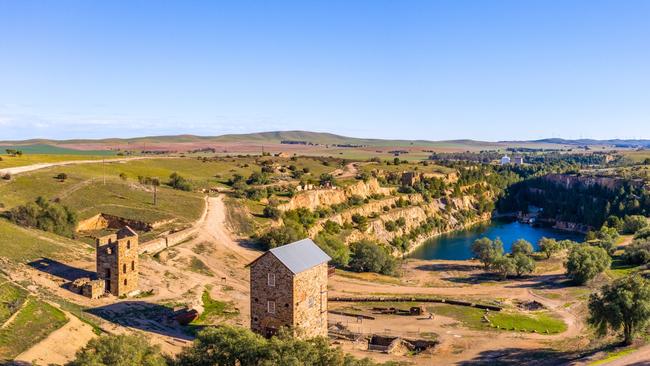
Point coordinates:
pixel 335 248
pixel 523 264
pixel 585 262
pixel 487 251
pixel 367 256
pixel 638 252
pixel 119 350
pixel 522 246
pixel 61 176
pixel 634 223
pixel 504 266
pixel 272 212
pixel 122 176
pixel 46 216
pixel 332 227
pixel 548 246
pixel 176 181
pixel 288 233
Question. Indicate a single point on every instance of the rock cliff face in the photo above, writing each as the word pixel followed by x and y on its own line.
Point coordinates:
pixel 333 196
pixel 572 180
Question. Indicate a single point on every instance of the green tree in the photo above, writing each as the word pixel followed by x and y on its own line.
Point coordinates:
pixel 548 246
pixel 119 350
pixel 61 176
pixel 504 266
pixel 224 346
pixel 288 233
pixel 523 264
pixel 585 262
pixel 486 250
pixel 177 181
pixel 367 256
pixel 522 246
pixel 624 304
pixel 634 223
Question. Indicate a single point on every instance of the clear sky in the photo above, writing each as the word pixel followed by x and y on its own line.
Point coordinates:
pixel 488 70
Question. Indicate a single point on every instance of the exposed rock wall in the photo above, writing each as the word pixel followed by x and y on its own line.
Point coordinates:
pixel 572 180
pixel 328 197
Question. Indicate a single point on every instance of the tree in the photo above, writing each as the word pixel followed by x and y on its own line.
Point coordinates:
pixel 122 176
pixel 504 266
pixel 634 223
pixel 624 304
pixel 585 262
pixel 548 246
pixel 523 264
pixel 46 216
pixel 272 212
pixel 335 248
pixel 367 256
pixel 61 176
pixel 486 250
pixel 177 181
pixel 119 350
pixel 288 233
pixel 522 246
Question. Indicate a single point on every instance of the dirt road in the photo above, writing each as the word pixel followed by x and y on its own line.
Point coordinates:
pixel 30 168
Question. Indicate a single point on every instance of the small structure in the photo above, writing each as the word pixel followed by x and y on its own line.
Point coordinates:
pixel 117 261
pixel 505 160
pixel 409 179
pixel 289 289
pixel 518 159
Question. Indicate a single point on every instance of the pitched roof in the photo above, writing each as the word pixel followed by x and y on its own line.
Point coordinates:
pixel 300 256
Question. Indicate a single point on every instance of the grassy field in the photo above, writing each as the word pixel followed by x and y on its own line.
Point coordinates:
pixel 10 161
pixel 24 245
pixel 11 299
pixel 539 322
pixel 214 310
pixel 33 323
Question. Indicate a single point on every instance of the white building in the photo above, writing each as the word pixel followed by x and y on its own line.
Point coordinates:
pixel 505 160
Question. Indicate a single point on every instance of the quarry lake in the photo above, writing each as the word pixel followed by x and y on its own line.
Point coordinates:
pixel 457 245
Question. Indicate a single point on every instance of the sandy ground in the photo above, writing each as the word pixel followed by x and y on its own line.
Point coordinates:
pixel 60 346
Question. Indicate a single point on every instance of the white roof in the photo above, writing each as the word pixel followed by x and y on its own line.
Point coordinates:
pixel 300 255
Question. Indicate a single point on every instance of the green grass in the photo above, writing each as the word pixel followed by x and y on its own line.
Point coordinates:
pixel 611 356
pixel 45 149
pixel 35 321
pixel 473 318
pixel 23 245
pixel 196 265
pixel 214 310
pixel 620 268
pixel 538 322
pixel 11 299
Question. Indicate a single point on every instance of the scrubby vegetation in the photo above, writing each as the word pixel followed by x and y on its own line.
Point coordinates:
pixel 46 216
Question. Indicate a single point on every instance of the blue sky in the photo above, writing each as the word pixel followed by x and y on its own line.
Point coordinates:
pixel 487 70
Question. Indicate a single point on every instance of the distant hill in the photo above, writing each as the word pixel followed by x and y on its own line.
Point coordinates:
pixel 324 138
pixel 612 142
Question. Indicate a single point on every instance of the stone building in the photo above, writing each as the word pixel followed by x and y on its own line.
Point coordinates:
pixel 117 261
pixel 289 289
pixel 409 179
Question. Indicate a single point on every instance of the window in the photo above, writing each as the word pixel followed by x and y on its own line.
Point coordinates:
pixel 270 307
pixel 109 251
pixel 125 282
pixel 128 244
pixel 124 268
pixel 270 279
pixel 133 265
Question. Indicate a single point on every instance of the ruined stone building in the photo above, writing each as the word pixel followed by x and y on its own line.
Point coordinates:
pixel 117 261
pixel 289 289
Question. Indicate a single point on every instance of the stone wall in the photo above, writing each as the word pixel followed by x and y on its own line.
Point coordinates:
pixel 263 322
pixel 117 263
pixel 310 300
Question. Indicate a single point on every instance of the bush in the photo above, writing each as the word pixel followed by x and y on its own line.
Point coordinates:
pixel 228 346
pixel 523 264
pixel 119 350
pixel 61 176
pixel 548 246
pixel 272 212
pixel 335 248
pixel 367 256
pixel 487 251
pixel 332 227
pixel 46 216
pixel 504 266
pixel 634 223
pixel 122 176
pixel 638 252
pixel 176 181
pixel 585 262
pixel 288 233
pixel 522 246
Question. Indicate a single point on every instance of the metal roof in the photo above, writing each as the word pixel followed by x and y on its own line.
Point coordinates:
pixel 300 255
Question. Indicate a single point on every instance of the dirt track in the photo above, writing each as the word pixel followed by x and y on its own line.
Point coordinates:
pixel 30 168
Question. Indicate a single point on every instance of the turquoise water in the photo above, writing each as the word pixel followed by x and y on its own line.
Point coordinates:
pixel 457 245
